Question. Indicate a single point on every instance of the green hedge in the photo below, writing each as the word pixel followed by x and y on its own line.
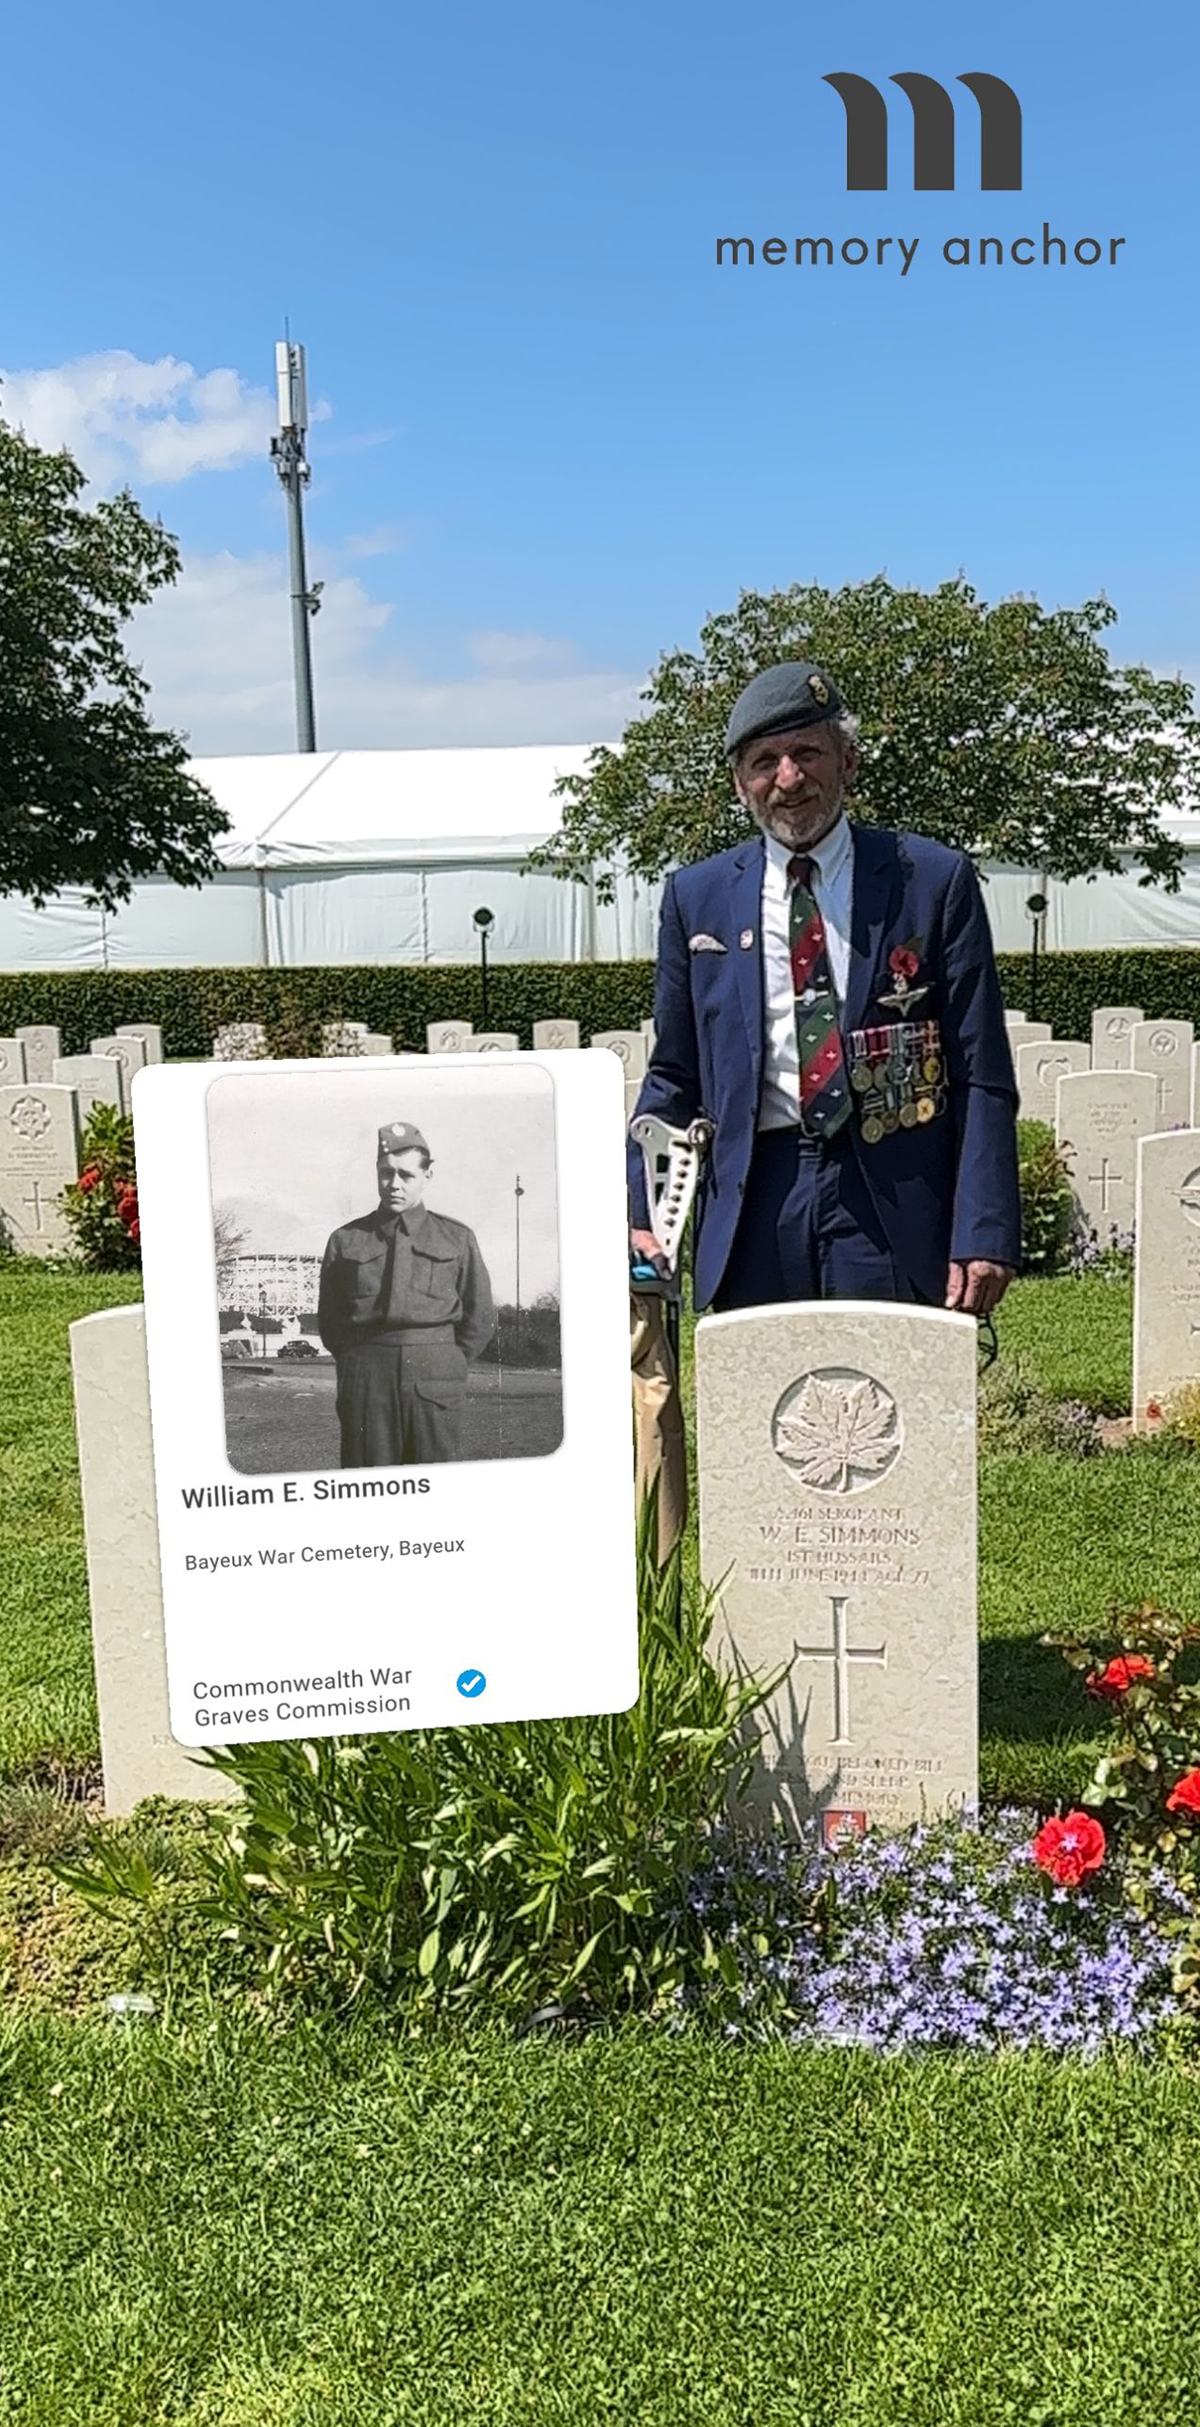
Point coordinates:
pixel 191 1004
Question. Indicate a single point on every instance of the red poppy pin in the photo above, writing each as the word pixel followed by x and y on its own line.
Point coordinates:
pixel 904 963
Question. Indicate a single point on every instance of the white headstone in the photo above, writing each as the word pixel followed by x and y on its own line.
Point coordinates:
pixel 139 1754
pixel 343 1039
pixel 1039 1068
pixel 150 1034
pixel 373 1044
pixel 130 1052
pixel 648 1033
pixel 39 1157
pixel 555 1036
pixel 1028 1032
pixel 447 1036
pixel 1164 1048
pixel 1101 1116
pixel 42 1049
pixel 1166 1272
pixel 12 1061
pixel 492 1040
pixel 240 1041
pixel 97 1078
pixel 837 1490
pixel 1019 1017
pixel 1112 1035
pixel 629 1045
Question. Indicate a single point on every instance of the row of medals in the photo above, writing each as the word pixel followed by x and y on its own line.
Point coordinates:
pixel 901 1086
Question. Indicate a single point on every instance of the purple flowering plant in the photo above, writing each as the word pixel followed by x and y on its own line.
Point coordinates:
pixel 1111 1257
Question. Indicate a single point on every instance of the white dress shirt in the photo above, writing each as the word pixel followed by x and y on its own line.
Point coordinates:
pixel 833 886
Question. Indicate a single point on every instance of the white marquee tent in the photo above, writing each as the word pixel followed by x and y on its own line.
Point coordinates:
pixel 371 856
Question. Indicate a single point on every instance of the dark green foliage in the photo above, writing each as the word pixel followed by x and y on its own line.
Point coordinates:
pixel 101 1206
pixel 1047 1200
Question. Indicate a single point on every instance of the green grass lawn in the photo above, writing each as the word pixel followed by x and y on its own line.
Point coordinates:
pixel 203 2226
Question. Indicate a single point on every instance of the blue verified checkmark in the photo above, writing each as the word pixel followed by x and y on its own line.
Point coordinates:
pixel 472 1682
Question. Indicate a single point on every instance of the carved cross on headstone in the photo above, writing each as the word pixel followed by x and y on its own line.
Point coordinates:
pixel 35 1201
pixel 1102 1177
pixel 841 1654
pixel 1163 1085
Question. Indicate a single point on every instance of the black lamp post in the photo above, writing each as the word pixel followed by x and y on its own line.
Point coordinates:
pixel 1037 906
pixel 485 921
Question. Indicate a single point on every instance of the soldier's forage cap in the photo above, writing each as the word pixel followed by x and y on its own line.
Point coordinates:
pixel 780 697
pixel 396 1137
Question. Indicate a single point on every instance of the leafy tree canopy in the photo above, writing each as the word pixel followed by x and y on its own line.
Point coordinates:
pixel 1003 730
pixel 91 795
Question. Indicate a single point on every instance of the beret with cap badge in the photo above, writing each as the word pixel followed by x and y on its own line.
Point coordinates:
pixel 777 699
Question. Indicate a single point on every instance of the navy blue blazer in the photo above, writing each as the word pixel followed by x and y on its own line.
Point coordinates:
pixel 946 1190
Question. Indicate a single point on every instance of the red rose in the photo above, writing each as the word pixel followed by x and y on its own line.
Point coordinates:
pixel 1068 1849
pixel 89 1178
pixel 127 1205
pixel 1185 1796
pixel 135 1231
pixel 903 963
pixel 1108 1684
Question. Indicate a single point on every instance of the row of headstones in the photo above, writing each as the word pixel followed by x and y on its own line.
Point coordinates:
pixel 1122 1039
pixel 46 1098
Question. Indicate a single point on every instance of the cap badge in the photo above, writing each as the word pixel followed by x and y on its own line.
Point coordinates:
pixel 746 938
pixel 819 690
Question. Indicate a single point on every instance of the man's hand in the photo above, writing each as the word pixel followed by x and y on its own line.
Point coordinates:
pixel 644 1243
pixel 977 1287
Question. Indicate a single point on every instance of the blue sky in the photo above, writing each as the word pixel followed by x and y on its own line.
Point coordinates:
pixel 555 434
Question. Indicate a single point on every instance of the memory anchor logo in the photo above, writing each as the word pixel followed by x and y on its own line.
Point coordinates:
pixel 933 133
pixel 1000 172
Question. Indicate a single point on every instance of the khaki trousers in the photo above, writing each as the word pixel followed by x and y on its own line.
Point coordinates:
pixel 659 1439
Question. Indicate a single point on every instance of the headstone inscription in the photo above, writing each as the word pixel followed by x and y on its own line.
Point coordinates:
pixel 1112 1035
pixel 12 1061
pixel 97 1078
pixel 1101 1115
pixel 1166 1272
pixel 1164 1048
pixel 42 1049
pixel 837 1489
pixel 1039 1069
pixel 116 1470
pixel 447 1036
pixel 555 1036
pixel 150 1034
pixel 39 1157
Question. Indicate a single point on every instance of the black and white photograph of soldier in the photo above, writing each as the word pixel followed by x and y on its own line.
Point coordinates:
pixel 386 1251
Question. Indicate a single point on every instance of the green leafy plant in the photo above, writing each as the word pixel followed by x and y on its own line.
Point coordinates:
pixel 1047 1199
pixel 1144 1671
pixel 1014 1414
pixel 101 1206
pixel 493 1869
pixel 1180 1415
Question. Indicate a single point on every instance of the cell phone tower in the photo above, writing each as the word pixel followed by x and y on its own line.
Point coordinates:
pixel 287 454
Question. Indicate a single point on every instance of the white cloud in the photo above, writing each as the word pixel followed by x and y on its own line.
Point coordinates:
pixel 217 651
pixel 154 422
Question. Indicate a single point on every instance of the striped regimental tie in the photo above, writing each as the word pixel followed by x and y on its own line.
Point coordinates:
pixel 824 1084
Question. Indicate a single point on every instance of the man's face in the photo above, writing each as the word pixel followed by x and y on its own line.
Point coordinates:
pixel 794 783
pixel 402 1179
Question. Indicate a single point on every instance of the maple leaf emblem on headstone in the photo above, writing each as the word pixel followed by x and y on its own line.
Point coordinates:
pixel 837 1433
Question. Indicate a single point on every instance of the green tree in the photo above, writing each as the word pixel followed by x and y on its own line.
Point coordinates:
pixel 1002 729
pixel 91 794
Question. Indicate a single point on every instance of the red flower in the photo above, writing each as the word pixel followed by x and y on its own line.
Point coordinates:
pixel 903 963
pixel 1185 1796
pixel 135 1231
pixel 1068 1849
pixel 1154 1411
pixel 89 1178
pixel 1108 1684
pixel 127 1205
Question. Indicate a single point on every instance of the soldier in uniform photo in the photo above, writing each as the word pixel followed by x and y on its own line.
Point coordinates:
pixel 405 1307
pixel 826 993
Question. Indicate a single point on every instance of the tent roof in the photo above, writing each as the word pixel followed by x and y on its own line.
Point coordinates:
pixel 294 809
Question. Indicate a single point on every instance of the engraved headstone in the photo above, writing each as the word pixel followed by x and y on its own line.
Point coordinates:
pixel 42 1049
pixel 1166 1272
pixel 1113 1025
pixel 150 1034
pixel 447 1036
pixel 240 1041
pixel 1039 1068
pixel 138 1752
pixel 1101 1115
pixel 555 1036
pixel 1027 1032
pixel 630 1047
pixel 1164 1048
pixel 492 1040
pixel 12 1061
pixel 97 1078
pixel 837 1489
pixel 39 1157
pixel 130 1052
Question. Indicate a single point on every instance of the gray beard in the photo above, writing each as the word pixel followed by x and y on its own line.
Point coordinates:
pixel 836 807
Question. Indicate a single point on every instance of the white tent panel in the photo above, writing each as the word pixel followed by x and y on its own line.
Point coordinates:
pixel 165 926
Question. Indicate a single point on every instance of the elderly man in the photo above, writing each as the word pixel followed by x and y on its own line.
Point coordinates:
pixel 405 1305
pixel 827 994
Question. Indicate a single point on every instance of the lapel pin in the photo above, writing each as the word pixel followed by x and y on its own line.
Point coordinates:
pixel 746 938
